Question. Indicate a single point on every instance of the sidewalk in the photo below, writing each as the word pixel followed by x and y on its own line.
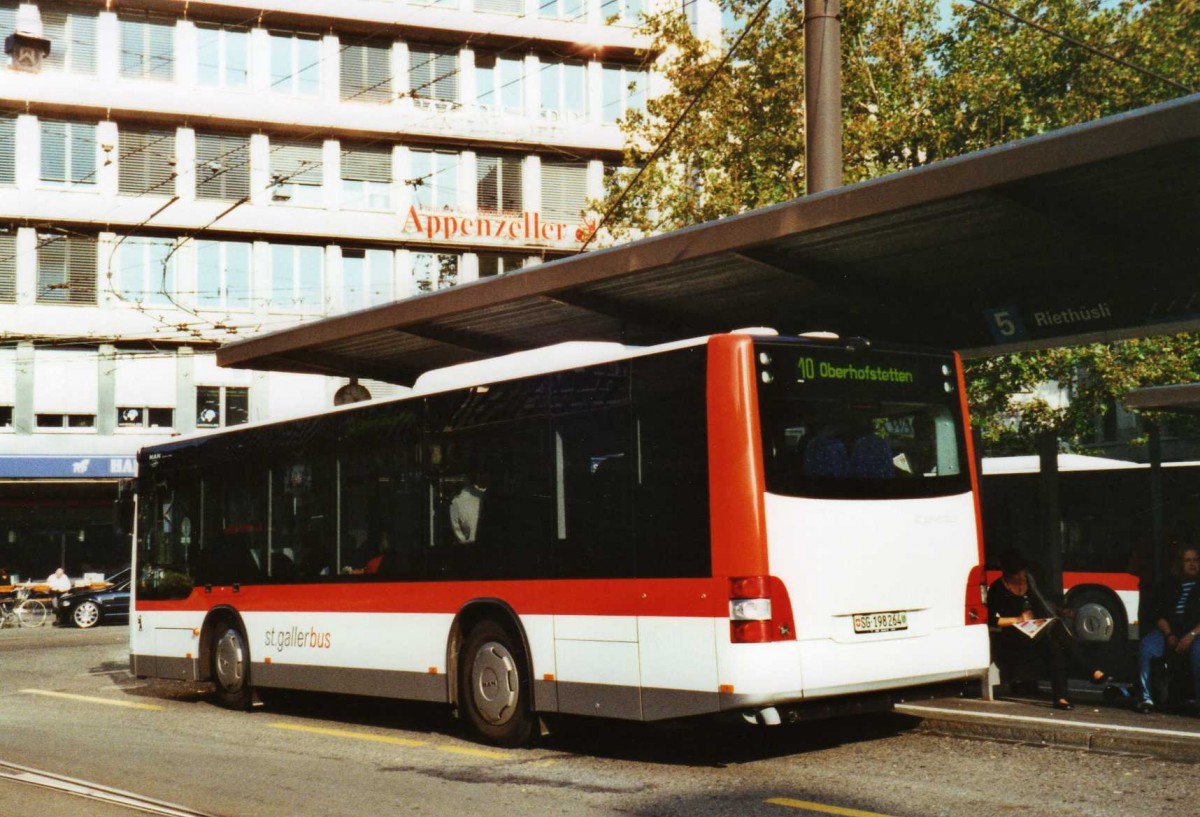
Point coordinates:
pixel 1095 724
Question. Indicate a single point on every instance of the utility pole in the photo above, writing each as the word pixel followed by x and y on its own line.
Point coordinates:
pixel 823 94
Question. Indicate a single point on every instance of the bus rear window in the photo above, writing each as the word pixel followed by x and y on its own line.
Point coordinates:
pixel 840 423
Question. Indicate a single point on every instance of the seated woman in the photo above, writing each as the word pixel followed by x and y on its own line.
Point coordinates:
pixel 1012 599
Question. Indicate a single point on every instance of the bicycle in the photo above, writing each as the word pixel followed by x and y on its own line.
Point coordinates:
pixel 22 611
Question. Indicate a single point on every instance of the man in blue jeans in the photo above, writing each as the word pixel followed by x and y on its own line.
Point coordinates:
pixel 1177 626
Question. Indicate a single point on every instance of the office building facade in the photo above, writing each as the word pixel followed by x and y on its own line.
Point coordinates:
pixel 175 175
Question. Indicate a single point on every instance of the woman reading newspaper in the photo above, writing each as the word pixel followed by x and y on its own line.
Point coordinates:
pixel 1026 629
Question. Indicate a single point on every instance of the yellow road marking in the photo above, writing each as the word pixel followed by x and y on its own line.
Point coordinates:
pixel 805 804
pixel 466 750
pixel 345 733
pixel 89 699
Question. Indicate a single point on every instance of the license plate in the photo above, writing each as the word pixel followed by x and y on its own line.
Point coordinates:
pixel 880 622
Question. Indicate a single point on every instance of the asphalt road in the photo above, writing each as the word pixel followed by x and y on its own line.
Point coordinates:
pixel 68 707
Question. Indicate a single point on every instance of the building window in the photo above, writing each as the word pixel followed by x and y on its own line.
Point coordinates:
pixel 6 416
pixel 624 90
pixel 8 150
pixel 222 166
pixel 146 162
pixel 498 186
pixel 68 421
pixel 491 264
pixel 499 83
pixel 68 153
pixel 564 190
pixel 72 37
pixel 564 90
pixel 8 265
pixel 66 270
pixel 222 57
pixel 569 10
pixel 146 270
pixel 295 64
pixel 366 73
pixel 366 278
pixel 296 172
pixel 624 12
pixel 147 48
pixel 218 406
pixel 367 178
pixel 145 417
pixel 516 7
pixel 223 274
pixel 434 271
pixel 433 74
pixel 296 277
pixel 691 10
pixel 434 179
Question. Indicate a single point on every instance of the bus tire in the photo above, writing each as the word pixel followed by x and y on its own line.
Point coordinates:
pixel 494 690
pixel 1099 618
pixel 231 665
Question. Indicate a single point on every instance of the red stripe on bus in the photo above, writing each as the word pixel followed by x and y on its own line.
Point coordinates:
pixel 735 465
pixel 684 598
pixel 969 439
pixel 1116 581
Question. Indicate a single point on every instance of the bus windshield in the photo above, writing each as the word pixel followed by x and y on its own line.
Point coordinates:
pixel 858 424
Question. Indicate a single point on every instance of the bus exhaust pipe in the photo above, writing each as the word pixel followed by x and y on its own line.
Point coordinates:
pixel 763 717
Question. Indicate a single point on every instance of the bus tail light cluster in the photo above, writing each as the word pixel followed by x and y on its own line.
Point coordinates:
pixel 759 610
pixel 976 603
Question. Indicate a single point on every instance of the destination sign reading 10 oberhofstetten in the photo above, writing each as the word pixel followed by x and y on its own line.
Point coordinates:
pixel 809 369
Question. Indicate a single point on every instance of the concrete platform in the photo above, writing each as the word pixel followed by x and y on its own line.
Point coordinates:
pixel 1095 724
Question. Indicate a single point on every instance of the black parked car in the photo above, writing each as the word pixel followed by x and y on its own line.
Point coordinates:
pixel 87 608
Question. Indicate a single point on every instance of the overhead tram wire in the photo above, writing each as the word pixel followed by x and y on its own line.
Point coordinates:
pixel 1085 46
pixel 662 144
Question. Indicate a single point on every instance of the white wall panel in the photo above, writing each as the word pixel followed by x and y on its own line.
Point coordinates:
pixel 64 382
pixel 146 381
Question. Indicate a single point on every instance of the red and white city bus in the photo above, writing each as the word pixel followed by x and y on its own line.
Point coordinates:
pixel 777 527
pixel 1105 518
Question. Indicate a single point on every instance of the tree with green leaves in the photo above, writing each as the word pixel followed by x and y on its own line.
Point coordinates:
pixel 914 91
pixel 1010 413
pixel 741 146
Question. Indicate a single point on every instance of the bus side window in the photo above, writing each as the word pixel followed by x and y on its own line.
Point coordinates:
pixel 671 440
pixel 384 493
pixel 493 461
pixel 235 517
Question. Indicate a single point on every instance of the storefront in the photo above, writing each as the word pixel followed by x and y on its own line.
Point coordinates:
pixel 57 511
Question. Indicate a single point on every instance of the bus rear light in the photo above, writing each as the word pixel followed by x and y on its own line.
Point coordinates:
pixel 750 632
pixel 976 601
pixel 750 609
pixel 750 587
pixel 759 610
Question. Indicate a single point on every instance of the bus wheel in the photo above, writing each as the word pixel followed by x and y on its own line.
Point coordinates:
pixel 494 687
pixel 231 666
pixel 1097 619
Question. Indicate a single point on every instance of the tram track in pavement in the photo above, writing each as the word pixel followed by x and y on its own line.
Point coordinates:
pixel 95 791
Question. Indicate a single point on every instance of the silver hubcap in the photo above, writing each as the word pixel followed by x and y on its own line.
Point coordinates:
pixel 86 614
pixel 494 683
pixel 1093 622
pixel 230 663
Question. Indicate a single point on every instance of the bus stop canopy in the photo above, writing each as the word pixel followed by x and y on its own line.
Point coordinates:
pixel 1183 398
pixel 1088 233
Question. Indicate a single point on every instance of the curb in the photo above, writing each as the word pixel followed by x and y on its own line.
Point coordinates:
pixel 1164 744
